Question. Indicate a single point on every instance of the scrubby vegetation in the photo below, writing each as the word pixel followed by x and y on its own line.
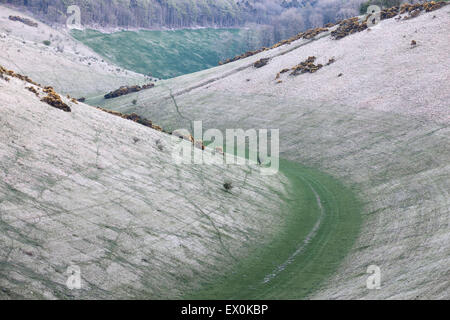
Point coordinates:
pixel 26 21
pixel 261 62
pixel 228 185
pixel 33 90
pixel 133 117
pixel 53 99
pixel 127 90
pixel 306 66
pixel 348 27
pixel 353 25
pixel 309 34
pixel 4 71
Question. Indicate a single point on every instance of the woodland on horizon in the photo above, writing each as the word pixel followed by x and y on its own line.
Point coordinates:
pixel 276 19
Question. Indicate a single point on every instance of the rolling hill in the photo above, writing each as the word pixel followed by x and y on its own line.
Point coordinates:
pixel 52 57
pixel 364 171
pixel 167 54
pixel 375 115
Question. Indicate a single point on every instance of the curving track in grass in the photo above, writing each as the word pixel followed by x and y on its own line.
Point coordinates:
pixel 323 223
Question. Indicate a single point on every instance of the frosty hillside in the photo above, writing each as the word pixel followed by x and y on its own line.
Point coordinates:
pixel 89 185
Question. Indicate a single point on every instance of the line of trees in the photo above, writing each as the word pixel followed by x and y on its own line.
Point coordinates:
pixel 138 13
pixel 272 20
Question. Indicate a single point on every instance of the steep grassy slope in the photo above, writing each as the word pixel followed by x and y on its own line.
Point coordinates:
pixel 325 219
pixel 90 189
pixel 166 54
pixel 68 65
pixel 97 191
pixel 93 190
pixel 377 119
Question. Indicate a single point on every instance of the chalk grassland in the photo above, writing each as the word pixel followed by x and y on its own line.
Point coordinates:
pixel 377 119
pixel 321 227
pixel 167 54
pixel 91 189
pixel 88 189
pixel 379 127
pixel 65 63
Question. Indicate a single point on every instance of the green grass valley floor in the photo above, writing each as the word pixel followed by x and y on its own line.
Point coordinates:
pixel 323 223
pixel 167 54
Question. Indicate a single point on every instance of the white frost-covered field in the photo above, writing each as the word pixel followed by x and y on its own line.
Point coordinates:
pixel 382 128
pixel 90 189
